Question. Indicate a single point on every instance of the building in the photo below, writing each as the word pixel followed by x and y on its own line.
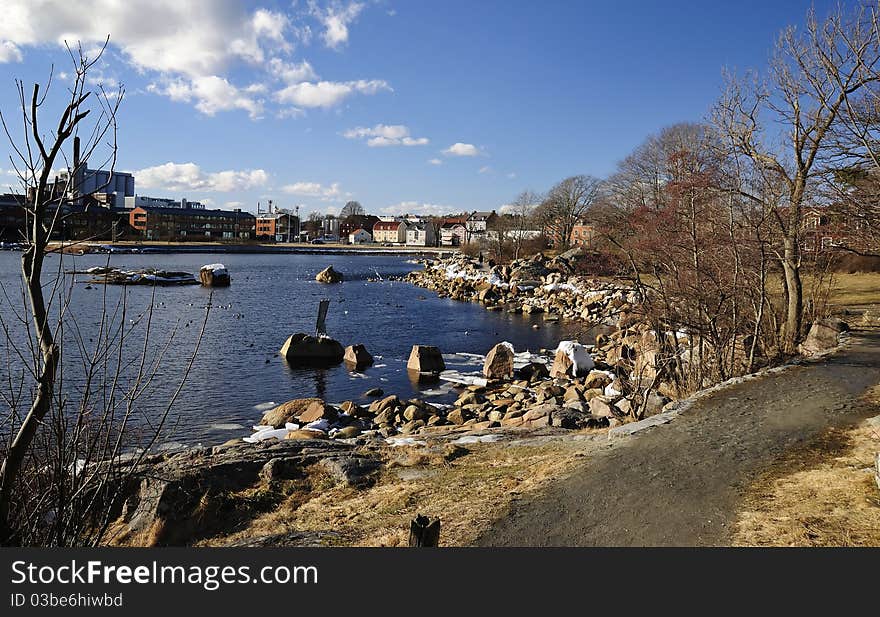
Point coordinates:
pixel 360 236
pixel 582 235
pixel 73 222
pixel 390 231
pixel 277 227
pixel 161 202
pixel 477 224
pixel 191 224
pixel 330 228
pixel 453 231
pixel 420 234
pixel 351 224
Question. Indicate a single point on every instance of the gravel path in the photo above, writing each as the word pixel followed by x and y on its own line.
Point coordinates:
pixel 679 484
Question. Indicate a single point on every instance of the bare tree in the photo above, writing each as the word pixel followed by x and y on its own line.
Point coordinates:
pixel 522 210
pixel 64 467
pixel 565 205
pixel 814 73
pixel 352 208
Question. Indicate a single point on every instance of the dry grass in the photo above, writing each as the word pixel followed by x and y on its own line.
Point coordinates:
pixel 855 290
pixel 821 495
pixel 466 489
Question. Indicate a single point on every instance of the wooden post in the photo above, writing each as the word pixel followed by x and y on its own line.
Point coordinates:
pixel 424 532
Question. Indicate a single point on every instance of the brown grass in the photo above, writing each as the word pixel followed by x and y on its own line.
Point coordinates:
pixel 820 495
pixel 855 290
pixel 467 488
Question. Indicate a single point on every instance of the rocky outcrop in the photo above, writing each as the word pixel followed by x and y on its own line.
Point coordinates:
pixel 425 359
pixel 303 348
pixel 499 362
pixel 329 275
pixel 357 357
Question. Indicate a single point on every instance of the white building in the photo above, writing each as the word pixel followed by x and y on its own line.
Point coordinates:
pixel 420 234
pixel 360 236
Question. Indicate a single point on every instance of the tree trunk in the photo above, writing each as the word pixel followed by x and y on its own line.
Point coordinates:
pixel 794 295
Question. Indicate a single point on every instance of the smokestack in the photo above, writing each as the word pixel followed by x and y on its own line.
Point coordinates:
pixel 75 154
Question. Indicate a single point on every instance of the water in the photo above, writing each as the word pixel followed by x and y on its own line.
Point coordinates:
pixel 238 371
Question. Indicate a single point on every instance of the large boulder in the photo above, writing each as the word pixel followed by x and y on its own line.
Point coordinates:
pixel 822 336
pixel 303 348
pixel 571 360
pixel 329 275
pixel 357 357
pixel 425 359
pixel 277 417
pixel 499 362
pixel 214 275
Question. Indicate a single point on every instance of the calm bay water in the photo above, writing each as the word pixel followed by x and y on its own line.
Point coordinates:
pixel 238 370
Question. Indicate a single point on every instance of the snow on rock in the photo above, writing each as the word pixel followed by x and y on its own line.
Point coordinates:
pixel 477 439
pixel 578 354
pixel 217 269
pixel 279 433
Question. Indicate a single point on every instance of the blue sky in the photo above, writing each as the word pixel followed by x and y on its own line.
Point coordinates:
pixel 416 106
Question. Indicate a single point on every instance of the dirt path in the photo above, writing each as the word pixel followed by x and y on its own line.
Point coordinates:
pixel 679 484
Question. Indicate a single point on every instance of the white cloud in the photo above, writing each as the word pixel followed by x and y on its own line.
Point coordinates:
pixel 292 72
pixel 190 177
pixel 336 19
pixel 417 207
pixel 511 175
pixel 315 189
pixel 189 48
pixel 385 135
pixel 212 94
pixel 327 93
pixel 485 169
pixel 460 149
pixel 9 52
pixel 435 161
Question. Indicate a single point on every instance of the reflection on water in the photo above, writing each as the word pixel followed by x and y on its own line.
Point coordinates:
pixel 238 370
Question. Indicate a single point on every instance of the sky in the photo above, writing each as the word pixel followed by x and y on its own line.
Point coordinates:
pixel 421 107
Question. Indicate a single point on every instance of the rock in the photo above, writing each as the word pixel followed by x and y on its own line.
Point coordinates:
pixel 413 412
pixel 624 406
pixel 318 410
pixel 596 379
pixel 306 434
pixel 389 402
pixel 458 416
pixel 571 360
pixel 601 407
pixel 425 359
pixel 302 348
pixel 374 392
pixel 562 365
pixel 214 275
pixel 277 417
pixel 822 337
pixel 539 411
pixel 499 362
pixel 570 418
pixel 357 357
pixel 353 470
pixel 533 371
pixel 329 275
pixel 349 432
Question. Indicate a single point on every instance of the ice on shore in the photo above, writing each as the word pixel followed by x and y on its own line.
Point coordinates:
pixel 265 406
pixel 468 379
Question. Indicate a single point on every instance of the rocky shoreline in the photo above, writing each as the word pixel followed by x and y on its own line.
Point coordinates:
pixel 582 390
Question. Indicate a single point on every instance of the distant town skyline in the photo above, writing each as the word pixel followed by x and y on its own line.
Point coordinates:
pixel 428 108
